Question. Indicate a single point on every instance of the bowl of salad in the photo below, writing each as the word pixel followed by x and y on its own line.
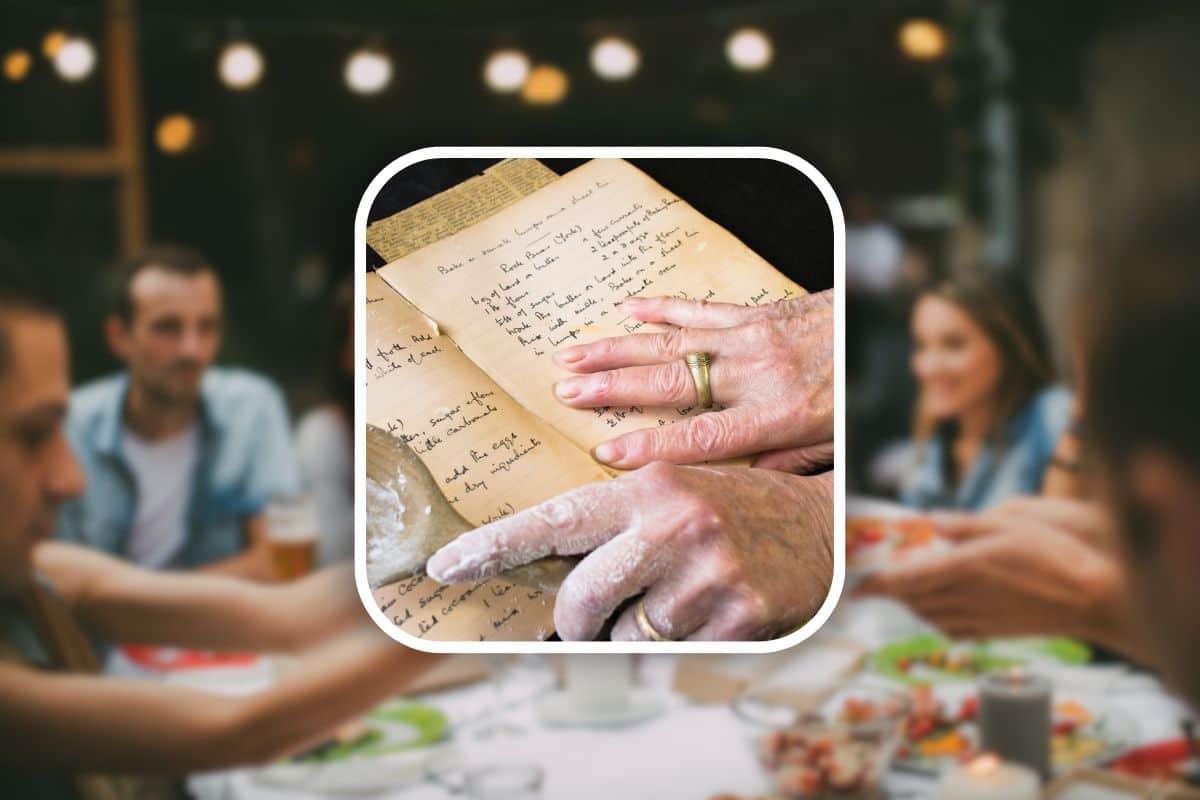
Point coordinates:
pixel 840 748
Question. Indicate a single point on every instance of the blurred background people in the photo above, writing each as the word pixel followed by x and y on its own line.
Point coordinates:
pixel 1119 570
pixel 181 455
pixel 324 438
pixel 988 415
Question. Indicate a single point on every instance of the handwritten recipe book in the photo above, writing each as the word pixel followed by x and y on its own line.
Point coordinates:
pixel 485 282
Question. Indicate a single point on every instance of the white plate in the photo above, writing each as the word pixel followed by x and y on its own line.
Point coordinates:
pixel 559 708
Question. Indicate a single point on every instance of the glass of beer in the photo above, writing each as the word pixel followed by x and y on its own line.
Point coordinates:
pixel 292 534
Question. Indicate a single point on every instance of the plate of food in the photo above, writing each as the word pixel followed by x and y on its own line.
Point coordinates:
pixel 939 732
pixel 930 658
pixel 881 534
pixel 840 750
pixel 394 745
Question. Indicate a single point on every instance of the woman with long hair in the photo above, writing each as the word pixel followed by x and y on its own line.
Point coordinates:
pixel 988 412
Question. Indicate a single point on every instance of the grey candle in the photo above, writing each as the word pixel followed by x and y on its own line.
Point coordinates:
pixel 1014 718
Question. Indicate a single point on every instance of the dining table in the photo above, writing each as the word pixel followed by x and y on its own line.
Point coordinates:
pixel 685 749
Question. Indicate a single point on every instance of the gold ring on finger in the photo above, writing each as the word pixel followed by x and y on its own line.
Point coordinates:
pixel 698 364
pixel 645 626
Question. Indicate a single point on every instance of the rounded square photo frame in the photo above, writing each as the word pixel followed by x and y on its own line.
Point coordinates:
pixel 520 646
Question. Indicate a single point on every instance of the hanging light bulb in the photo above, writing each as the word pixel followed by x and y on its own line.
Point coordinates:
pixel 749 49
pixel 546 85
pixel 505 71
pixel 75 59
pixel 615 59
pixel 175 133
pixel 52 41
pixel 922 39
pixel 240 66
pixel 17 64
pixel 368 71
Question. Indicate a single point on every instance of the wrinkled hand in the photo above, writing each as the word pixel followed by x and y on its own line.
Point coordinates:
pixel 1026 568
pixel 772 372
pixel 722 553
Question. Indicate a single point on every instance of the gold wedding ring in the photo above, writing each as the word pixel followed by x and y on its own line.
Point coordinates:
pixel 698 364
pixel 643 623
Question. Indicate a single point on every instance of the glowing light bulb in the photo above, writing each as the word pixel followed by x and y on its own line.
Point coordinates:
pixel 615 59
pixel 17 64
pixel 75 59
pixel 749 49
pixel 52 41
pixel 546 86
pixel 922 39
pixel 175 133
pixel 368 71
pixel 506 71
pixel 240 66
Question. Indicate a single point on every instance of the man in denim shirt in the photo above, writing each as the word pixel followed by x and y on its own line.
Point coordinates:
pixel 180 456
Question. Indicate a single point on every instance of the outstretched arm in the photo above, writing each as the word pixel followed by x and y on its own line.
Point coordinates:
pixel 124 603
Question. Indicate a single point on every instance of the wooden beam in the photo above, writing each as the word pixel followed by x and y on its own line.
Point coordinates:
pixel 69 162
pixel 125 124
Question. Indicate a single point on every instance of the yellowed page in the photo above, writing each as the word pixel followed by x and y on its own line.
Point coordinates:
pixel 548 271
pixel 458 207
pixel 481 447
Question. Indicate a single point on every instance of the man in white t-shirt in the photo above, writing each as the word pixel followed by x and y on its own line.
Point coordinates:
pixel 181 456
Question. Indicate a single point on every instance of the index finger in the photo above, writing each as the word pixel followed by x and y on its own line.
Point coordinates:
pixel 572 523
pixel 687 313
pixel 960 526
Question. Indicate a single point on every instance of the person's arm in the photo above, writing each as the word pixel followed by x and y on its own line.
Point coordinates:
pixel 86 723
pixel 255 562
pixel 121 602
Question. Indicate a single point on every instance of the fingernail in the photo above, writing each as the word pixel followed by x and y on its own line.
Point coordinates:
pixel 633 301
pixel 440 567
pixel 609 452
pixel 566 390
pixel 571 355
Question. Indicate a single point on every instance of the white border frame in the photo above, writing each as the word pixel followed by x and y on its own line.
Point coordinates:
pixel 360 435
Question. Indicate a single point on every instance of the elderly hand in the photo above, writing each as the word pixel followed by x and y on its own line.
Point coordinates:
pixel 722 553
pixel 1026 568
pixel 772 372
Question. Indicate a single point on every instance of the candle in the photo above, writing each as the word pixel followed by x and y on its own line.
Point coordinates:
pixel 988 778
pixel 1014 718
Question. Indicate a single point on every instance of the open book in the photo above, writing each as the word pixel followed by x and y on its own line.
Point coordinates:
pixel 460 334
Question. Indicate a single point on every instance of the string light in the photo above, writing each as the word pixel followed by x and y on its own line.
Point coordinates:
pixel 749 49
pixel 240 66
pixel 175 133
pixel 922 39
pixel 17 64
pixel 506 71
pixel 75 59
pixel 52 41
pixel 368 71
pixel 615 59
pixel 546 86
